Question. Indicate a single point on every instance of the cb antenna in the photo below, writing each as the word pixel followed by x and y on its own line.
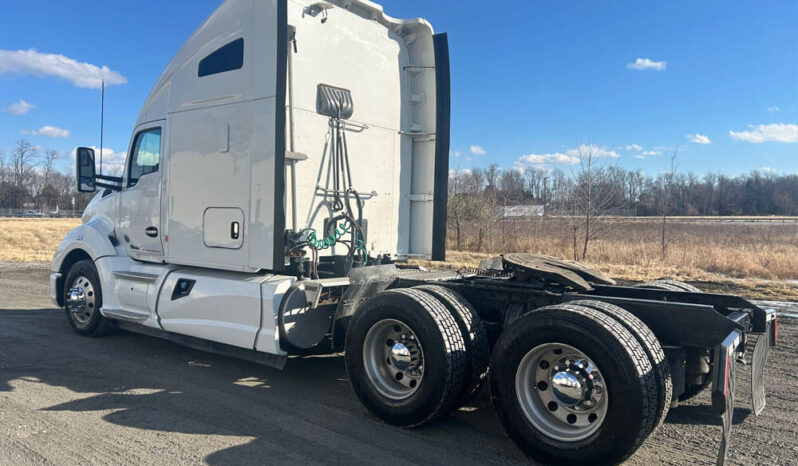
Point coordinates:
pixel 102 118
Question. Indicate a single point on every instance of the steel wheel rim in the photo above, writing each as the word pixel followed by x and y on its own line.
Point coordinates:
pixel 393 359
pixel 561 392
pixel 81 299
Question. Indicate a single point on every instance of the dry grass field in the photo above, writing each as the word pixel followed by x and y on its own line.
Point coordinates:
pixel 32 239
pixel 758 260
pixel 696 251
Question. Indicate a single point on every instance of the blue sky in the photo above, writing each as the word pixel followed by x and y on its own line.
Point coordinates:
pixel 530 80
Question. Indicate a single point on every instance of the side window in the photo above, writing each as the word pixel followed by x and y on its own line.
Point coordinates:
pixel 145 156
pixel 227 58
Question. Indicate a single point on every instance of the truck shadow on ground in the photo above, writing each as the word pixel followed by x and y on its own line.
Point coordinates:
pixel 305 413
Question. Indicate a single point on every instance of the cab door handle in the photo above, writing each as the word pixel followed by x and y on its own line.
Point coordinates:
pixel 151 231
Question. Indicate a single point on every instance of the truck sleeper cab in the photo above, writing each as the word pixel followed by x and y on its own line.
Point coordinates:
pixel 289 159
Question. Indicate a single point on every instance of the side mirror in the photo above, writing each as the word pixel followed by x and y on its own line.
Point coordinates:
pixel 85 170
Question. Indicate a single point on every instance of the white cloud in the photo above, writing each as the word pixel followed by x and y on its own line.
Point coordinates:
pixel 478 150
pixel 652 152
pixel 49 64
pixel 455 153
pixel 776 132
pixel 698 138
pixel 774 108
pixel 540 159
pixel 49 132
pixel 634 146
pixel 641 157
pixel 591 149
pixel 767 170
pixel 569 157
pixel 461 171
pixel 19 108
pixel 642 64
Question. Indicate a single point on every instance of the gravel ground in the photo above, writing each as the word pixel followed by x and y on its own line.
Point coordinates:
pixel 128 398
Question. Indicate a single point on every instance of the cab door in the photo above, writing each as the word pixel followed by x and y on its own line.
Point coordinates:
pixel 139 222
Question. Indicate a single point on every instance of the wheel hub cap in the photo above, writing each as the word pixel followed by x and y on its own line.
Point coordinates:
pixel 401 357
pixel 561 392
pixel 76 300
pixel 393 359
pixel 567 388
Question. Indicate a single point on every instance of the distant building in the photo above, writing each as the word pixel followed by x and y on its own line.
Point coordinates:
pixel 514 211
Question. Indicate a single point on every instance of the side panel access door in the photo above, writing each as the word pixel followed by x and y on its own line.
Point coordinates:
pixel 138 226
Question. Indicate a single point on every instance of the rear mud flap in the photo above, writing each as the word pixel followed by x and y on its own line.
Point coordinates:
pixel 723 388
pixel 761 350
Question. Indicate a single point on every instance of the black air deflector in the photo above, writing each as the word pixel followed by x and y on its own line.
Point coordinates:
pixel 442 126
pixel 334 101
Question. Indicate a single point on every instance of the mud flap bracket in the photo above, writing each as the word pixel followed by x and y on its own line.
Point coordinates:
pixel 723 382
pixel 763 344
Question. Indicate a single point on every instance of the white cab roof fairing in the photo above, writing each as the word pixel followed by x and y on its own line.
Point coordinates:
pixel 391 69
pixel 206 36
pixel 226 22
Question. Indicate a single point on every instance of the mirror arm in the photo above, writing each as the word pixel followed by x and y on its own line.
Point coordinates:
pixel 112 179
pixel 112 187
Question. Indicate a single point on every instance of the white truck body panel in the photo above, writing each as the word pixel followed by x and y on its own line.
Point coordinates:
pixel 210 197
pixel 219 140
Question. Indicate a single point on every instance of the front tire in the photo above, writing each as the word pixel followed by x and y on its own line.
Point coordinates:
pixel 571 385
pixel 83 300
pixel 405 357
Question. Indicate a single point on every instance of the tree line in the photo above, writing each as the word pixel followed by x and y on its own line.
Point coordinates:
pixel 595 187
pixel 29 179
pixel 630 192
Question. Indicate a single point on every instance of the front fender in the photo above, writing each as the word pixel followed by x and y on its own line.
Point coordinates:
pixel 93 237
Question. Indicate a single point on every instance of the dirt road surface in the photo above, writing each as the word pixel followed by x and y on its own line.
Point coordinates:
pixel 132 399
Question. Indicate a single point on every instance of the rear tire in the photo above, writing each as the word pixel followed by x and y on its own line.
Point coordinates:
pixel 670 285
pixel 690 390
pixel 83 300
pixel 650 344
pixel 405 332
pixel 474 336
pixel 630 387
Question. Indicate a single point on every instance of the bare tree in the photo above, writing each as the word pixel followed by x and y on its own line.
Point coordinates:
pixel 511 185
pixel 667 193
pixel 47 191
pixel 47 164
pixel 2 166
pixel 458 205
pixel 22 166
pixel 537 184
pixel 593 192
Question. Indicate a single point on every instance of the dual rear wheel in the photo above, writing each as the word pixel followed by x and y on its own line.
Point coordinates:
pixel 584 382
pixel 579 382
pixel 413 355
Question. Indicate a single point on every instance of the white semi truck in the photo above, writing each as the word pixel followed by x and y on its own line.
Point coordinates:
pixel 290 158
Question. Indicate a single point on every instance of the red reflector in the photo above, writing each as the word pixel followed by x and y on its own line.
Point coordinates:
pixel 775 328
pixel 726 385
pixel 166 239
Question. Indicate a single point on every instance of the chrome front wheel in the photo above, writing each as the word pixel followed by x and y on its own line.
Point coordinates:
pixel 81 299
